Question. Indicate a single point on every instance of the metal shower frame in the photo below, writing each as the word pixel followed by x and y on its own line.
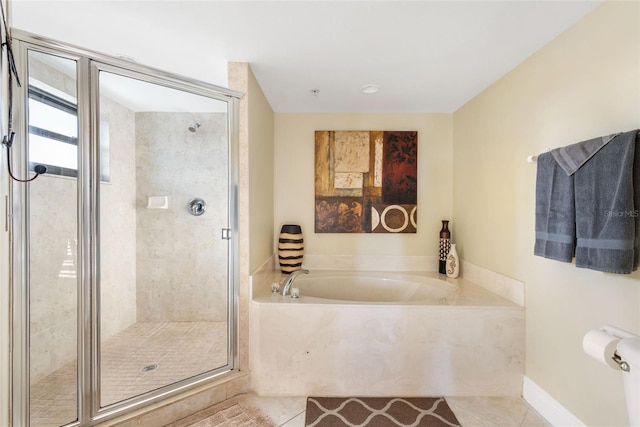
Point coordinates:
pixel 89 64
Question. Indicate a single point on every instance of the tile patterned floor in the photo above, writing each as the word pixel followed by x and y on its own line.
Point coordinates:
pixel 178 349
pixel 175 347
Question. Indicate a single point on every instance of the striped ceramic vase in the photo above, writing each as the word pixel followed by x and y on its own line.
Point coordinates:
pixel 290 248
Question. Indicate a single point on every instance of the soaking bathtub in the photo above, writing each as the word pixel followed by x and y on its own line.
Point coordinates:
pixel 375 287
pixel 385 334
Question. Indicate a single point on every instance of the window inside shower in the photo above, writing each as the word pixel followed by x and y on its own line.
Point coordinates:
pixel 53 129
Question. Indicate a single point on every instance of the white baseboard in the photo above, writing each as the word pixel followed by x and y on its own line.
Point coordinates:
pixel 547 406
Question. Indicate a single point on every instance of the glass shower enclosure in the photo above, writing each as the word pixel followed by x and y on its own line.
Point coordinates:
pixel 124 253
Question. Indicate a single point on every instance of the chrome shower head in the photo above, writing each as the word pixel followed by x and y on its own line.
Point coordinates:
pixel 195 127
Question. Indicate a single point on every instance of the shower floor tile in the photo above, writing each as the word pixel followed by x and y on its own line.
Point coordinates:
pixel 179 349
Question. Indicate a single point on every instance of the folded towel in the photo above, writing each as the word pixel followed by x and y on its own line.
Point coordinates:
pixel 606 206
pixel 555 211
pixel 572 157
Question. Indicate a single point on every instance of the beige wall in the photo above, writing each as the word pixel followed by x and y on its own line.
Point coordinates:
pixel 260 174
pixel 583 84
pixel 294 181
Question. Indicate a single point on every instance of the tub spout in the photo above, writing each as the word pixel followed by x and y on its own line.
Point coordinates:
pixel 291 278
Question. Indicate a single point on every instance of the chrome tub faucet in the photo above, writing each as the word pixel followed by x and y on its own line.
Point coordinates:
pixel 291 278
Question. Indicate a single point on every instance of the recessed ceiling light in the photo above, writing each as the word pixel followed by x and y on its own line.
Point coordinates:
pixel 369 88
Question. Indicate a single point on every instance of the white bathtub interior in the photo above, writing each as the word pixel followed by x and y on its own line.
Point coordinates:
pixel 378 287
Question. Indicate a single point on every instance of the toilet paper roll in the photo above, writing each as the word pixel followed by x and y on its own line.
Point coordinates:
pixel 601 346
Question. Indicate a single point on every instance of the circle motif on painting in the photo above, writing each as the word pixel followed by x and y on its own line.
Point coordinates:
pixel 375 218
pixel 412 216
pixel 394 218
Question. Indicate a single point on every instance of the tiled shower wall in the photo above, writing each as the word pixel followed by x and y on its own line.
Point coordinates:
pixel 118 221
pixel 181 259
pixel 53 292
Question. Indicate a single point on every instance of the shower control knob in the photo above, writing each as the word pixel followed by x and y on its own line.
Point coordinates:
pixel 197 206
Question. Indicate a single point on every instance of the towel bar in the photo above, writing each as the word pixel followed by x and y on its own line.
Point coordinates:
pixel 534 158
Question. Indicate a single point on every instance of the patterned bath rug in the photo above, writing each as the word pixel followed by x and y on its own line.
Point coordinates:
pixel 238 411
pixel 379 412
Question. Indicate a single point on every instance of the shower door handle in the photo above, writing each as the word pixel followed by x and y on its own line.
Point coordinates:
pixel 226 234
pixel 197 206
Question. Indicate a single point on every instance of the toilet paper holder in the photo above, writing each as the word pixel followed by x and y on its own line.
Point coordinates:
pixel 621 363
pixel 619 333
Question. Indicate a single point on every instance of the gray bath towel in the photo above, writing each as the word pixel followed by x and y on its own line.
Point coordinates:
pixel 572 157
pixel 607 203
pixel 555 211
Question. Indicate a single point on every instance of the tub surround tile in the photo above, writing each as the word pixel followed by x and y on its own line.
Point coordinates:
pixel 471 294
pixel 386 350
pixel 474 347
pixel 264 275
pixel 370 262
pixel 506 287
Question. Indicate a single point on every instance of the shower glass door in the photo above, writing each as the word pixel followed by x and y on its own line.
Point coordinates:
pixel 124 252
pixel 164 191
pixel 53 290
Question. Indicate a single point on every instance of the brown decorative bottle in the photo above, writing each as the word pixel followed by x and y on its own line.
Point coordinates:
pixel 445 245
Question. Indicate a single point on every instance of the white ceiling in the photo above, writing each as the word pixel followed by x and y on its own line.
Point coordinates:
pixel 426 56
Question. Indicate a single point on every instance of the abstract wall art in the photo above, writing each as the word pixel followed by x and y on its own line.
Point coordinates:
pixel 366 181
